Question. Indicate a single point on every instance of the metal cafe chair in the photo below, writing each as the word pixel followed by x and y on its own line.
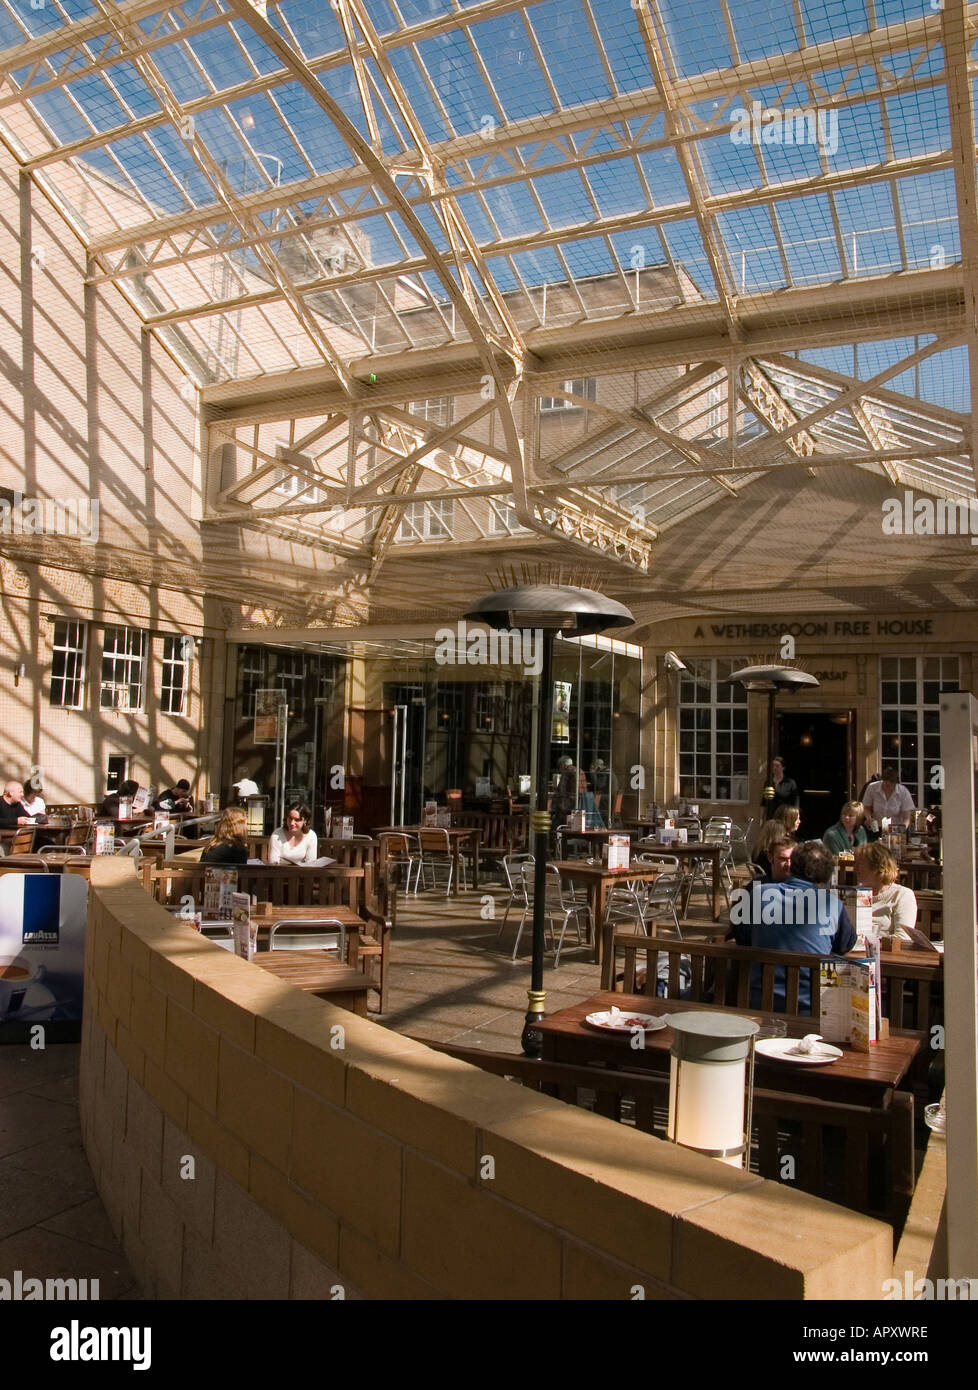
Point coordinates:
pixel 559 906
pixel 403 850
pixel 665 890
pixel 57 854
pixel 701 869
pixel 512 870
pixel 323 934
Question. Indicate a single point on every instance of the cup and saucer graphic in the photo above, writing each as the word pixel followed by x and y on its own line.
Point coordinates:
pixel 22 994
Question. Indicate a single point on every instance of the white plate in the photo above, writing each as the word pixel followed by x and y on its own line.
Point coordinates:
pixel 781 1050
pixel 618 1022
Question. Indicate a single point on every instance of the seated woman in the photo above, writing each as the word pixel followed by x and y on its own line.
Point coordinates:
pixel 789 818
pixel 894 907
pixel 848 832
pixel 229 843
pixel 294 843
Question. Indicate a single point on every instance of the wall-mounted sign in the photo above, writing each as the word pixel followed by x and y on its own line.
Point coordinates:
pixel 560 723
pixel 270 712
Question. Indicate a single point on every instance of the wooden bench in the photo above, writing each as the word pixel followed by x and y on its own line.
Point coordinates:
pixel 335 885
pixel 860 1157
pixel 720 973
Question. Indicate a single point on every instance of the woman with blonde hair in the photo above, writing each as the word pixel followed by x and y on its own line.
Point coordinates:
pixel 229 843
pixel 894 906
pixel 789 818
pixel 848 832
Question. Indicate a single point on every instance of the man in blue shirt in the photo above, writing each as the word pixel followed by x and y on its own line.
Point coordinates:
pixel 798 914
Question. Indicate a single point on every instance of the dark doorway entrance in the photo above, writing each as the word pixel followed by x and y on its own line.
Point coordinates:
pixel 816 749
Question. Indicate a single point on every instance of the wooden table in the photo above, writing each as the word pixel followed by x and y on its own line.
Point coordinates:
pixel 714 851
pixel 921 873
pixel 597 880
pixel 458 837
pixel 857 1078
pixel 592 837
pixel 316 973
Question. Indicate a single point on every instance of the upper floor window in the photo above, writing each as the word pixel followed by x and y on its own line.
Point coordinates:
pixel 437 410
pixel 910 720
pixel 178 652
pixel 70 648
pixel 584 386
pixel 427 521
pixel 123 681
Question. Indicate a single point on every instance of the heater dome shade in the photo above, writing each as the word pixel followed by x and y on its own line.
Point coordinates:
pixel 554 607
pixel 772 678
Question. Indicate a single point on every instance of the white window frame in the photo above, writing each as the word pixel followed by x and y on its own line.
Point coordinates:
pixel 585 386
pixel 920 787
pixel 436 410
pixel 130 657
pixel 171 664
pixel 713 706
pixel 428 521
pixel 503 520
pixel 79 651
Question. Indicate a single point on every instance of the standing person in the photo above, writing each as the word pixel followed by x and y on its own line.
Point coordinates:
pixel 848 832
pixel 888 799
pixel 13 812
pixel 294 842
pixel 786 791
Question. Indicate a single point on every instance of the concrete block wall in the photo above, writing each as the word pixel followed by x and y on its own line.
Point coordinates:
pixel 332 1154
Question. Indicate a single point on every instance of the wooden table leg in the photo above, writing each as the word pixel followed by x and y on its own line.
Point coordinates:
pixel 598 909
pixel 716 883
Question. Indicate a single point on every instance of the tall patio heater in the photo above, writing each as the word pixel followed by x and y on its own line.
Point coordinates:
pixel 546 609
pixel 770 680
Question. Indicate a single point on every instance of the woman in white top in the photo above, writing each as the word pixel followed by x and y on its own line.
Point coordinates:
pixel 294 843
pixel 894 907
pixel 33 802
pixel 888 800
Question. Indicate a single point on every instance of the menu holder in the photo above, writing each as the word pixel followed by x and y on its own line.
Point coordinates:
pixel 105 839
pixel 245 937
pixel 219 887
pixel 849 1002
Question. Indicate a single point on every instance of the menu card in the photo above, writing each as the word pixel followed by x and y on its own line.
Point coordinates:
pixel 244 938
pixel 343 828
pixel 161 820
pixel 219 887
pixel 105 839
pixel 140 801
pixel 849 1002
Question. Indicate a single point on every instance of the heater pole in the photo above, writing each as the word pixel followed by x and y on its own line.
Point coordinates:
pixel 540 821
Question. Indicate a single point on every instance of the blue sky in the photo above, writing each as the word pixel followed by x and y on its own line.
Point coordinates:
pixel 532 63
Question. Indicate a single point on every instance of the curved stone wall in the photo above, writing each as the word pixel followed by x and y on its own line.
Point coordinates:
pixel 251 1141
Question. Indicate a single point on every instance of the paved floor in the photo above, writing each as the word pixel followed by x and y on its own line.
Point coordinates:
pixel 52 1224
pixel 450 982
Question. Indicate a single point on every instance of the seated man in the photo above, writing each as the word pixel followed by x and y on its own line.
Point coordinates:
pixel 175 799
pixel 797 914
pixel 13 812
pixel 110 806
